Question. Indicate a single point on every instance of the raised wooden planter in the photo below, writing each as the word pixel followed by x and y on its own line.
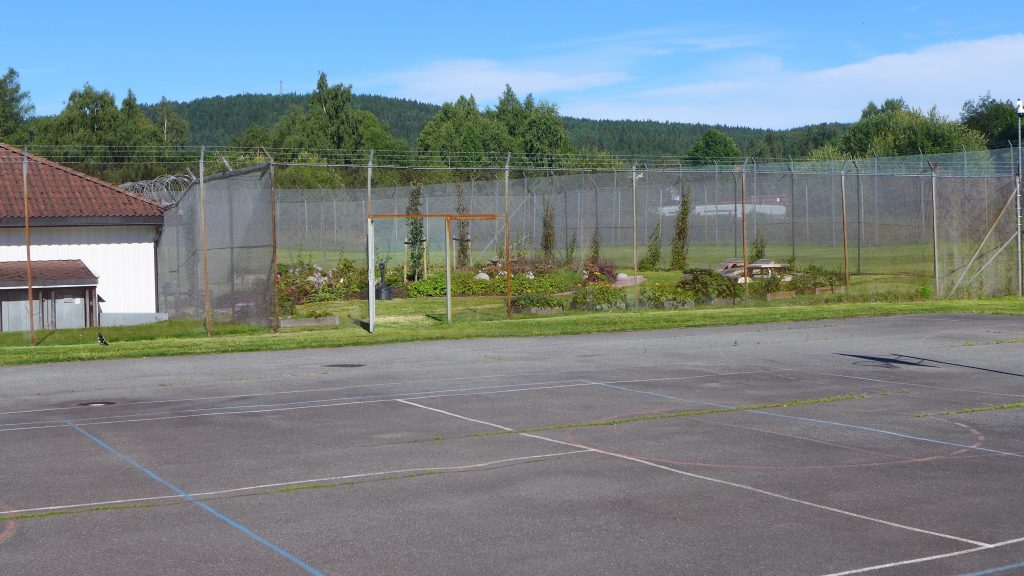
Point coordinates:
pixel 321 321
pixel 780 295
pixel 538 310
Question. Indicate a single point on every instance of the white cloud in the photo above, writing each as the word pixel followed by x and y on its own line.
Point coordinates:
pixel 445 81
pixel 765 94
pixel 578 66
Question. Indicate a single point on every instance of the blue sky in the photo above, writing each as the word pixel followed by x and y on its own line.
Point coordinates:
pixel 761 64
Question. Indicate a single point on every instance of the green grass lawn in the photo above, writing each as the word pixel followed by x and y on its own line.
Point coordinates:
pixel 422 319
pixel 906 259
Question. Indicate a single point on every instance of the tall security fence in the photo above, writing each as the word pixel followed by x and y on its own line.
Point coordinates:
pixel 216 252
pixel 954 234
pixel 947 224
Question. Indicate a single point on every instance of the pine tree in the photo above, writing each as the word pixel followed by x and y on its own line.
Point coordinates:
pixel 681 238
pixel 595 247
pixel 414 227
pixel 547 239
pixel 462 255
pixel 570 252
pixel 653 257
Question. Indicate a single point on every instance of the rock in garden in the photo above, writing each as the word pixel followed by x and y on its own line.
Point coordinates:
pixel 482 276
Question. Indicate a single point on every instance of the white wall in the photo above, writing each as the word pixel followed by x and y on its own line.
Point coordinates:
pixel 122 257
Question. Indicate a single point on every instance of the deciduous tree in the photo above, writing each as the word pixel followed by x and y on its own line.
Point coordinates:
pixel 15 105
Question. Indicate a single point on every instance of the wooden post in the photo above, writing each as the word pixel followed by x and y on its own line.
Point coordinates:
pixel 28 252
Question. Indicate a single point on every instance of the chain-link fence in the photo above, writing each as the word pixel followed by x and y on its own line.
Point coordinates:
pixel 941 224
pixel 908 222
pixel 885 221
pixel 216 251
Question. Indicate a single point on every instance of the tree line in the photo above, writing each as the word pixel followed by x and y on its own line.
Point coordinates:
pixel 103 137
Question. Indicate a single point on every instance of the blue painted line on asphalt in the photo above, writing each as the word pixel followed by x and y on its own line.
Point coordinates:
pixel 274 547
pixel 997 569
pixel 828 422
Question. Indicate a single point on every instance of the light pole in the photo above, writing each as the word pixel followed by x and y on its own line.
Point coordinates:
pixel 1020 272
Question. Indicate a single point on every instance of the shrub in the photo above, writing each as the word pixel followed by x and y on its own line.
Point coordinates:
pixel 302 281
pixel 599 271
pixel 657 295
pixel 463 284
pixel 815 277
pixel 598 297
pixel 651 260
pixel 759 248
pixel 706 285
pixel 570 252
pixel 531 300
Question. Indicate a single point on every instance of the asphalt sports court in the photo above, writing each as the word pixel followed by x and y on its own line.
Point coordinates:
pixel 838 447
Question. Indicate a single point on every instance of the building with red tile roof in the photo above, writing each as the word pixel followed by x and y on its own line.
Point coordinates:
pixel 76 217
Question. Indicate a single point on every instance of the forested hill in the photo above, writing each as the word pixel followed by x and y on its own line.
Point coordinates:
pixel 216 120
pixel 638 137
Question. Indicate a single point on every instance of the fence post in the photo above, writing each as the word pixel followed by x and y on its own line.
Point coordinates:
pixel 717 201
pixel 371 296
pixel 743 227
pixel 276 320
pixel 792 210
pixel 1020 164
pixel 636 294
pixel 508 250
pixel 860 214
pixel 207 308
pixel 28 251
pixel 846 254
pixel 935 228
pixel 448 268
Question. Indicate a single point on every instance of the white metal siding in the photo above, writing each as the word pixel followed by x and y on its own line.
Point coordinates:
pixel 123 258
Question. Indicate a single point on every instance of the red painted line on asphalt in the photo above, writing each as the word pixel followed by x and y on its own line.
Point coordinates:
pixel 9 525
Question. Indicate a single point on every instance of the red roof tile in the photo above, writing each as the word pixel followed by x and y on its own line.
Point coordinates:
pixel 56 191
pixel 47 273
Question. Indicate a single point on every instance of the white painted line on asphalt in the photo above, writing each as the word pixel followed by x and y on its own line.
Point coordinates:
pixel 282 408
pixel 900 383
pixel 710 479
pixel 445 412
pixel 341 388
pixel 243 489
pixel 926 559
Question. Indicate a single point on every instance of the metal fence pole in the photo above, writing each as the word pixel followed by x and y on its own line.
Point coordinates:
pixel 935 230
pixel 846 254
pixel 276 320
pixel 508 250
pixel 636 294
pixel 792 211
pixel 717 201
pixel 448 268
pixel 1020 164
pixel 743 226
pixel 860 215
pixel 207 308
